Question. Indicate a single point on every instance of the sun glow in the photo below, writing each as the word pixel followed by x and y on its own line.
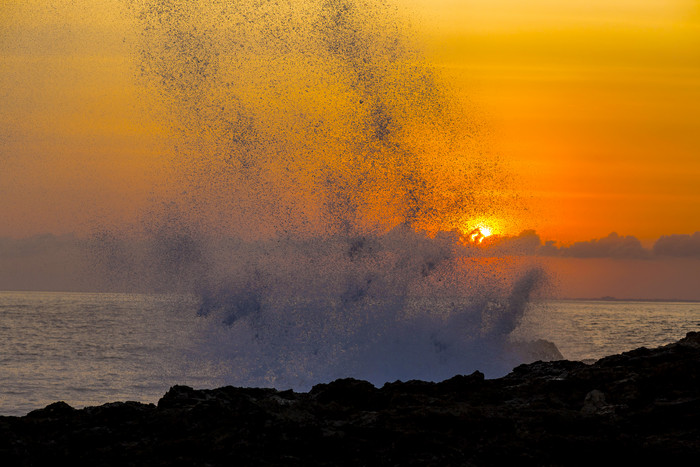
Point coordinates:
pixel 477 232
pixel 485 231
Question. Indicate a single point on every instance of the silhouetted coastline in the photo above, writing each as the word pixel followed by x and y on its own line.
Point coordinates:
pixel 640 406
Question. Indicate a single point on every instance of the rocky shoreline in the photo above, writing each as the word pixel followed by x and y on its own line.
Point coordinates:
pixel 639 407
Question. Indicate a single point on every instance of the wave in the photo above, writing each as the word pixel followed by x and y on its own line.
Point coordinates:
pixel 322 185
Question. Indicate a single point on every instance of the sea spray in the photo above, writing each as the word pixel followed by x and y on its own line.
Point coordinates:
pixel 322 195
pixel 406 306
pixel 309 118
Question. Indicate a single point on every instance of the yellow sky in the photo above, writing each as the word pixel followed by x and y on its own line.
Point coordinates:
pixel 594 103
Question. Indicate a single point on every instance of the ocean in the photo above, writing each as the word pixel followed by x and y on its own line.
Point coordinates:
pixel 89 349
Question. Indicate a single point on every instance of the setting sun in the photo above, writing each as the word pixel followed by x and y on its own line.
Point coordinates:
pixel 481 228
pixel 479 233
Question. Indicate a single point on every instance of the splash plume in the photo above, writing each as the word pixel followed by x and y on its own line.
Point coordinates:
pixel 321 181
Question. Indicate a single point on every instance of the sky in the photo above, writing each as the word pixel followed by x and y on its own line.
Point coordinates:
pixel 594 102
pixel 591 104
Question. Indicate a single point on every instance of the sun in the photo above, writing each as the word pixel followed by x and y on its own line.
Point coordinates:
pixel 477 232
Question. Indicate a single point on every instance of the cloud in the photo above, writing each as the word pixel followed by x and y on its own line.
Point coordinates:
pixel 626 247
pixel 111 263
pixel 678 245
pixel 42 262
pixel 528 242
pixel 612 246
pixel 35 246
pixel 525 243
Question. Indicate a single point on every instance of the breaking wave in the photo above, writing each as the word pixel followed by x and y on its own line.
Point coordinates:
pixel 322 185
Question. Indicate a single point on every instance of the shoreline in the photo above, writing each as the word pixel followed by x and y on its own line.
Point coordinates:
pixel 638 406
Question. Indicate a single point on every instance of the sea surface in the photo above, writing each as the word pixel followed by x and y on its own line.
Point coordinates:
pixel 89 349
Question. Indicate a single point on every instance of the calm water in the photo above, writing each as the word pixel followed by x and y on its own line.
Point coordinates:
pixel 589 330
pixel 88 349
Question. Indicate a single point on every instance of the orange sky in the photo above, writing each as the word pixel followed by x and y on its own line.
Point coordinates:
pixel 594 103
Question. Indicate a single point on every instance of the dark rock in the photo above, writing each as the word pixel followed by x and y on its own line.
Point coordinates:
pixel 540 349
pixel 55 410
pixel 638 407
pixel 348 392
pixel 462 382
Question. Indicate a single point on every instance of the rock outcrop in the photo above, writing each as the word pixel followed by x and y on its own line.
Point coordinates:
pixel 640 407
